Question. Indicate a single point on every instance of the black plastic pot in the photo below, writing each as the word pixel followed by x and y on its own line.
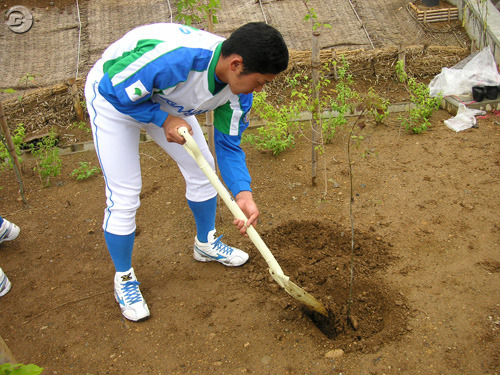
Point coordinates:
pixel 478 93
pixel 492 92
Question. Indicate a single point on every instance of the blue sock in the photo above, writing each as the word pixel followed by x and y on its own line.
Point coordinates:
pixel 1 221
pixel 120 248
pixel 204 216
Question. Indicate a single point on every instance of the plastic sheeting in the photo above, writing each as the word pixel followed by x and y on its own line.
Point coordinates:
pixel 481 70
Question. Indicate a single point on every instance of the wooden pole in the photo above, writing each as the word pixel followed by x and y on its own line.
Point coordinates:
pixel 9 144
pixel 76 99
pixel 402 56
pixel 8 139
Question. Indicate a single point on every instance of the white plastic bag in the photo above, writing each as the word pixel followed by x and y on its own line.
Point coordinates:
pixel 481 70
pixel 464 119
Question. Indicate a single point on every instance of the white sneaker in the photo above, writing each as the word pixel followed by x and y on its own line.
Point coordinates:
pixel 129 297
pixel 8 231
pixel 215 250
pixel 4 283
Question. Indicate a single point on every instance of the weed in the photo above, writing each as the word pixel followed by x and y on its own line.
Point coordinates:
pixel 276 136
pixel 380 111
pixel 81 125
pixel 424 105
pixel 85 170
pixel 47 156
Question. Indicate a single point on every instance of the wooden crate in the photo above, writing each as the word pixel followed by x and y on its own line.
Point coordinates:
pixel 436 15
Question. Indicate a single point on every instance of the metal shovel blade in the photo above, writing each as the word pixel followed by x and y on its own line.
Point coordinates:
pixel 274 268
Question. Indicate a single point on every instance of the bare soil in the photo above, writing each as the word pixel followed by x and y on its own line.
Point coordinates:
pixel 426 285
pixel 425 297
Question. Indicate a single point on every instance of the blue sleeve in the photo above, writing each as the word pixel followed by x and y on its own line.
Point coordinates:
pixel 231 159
pixel 145 111
pixel 131 92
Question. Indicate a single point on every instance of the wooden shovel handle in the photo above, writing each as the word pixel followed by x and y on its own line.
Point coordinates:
pixel 193 150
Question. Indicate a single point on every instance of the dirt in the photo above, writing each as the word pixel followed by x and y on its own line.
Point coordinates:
pixel 425 296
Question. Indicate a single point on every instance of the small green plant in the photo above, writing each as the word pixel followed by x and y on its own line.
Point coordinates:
pixel 276 136
pixel 81 125
pixel 343 103
pixel 312 16
pixel 47 156
pixel 417 120
pixel 17 138
pixel 20 369
pixel 379 109
pixel 85 171
pixel 195 11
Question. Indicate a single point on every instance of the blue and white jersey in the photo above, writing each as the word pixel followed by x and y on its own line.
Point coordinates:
pixel 165 68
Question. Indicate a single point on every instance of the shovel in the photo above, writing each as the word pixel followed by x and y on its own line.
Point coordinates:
pixel 274 268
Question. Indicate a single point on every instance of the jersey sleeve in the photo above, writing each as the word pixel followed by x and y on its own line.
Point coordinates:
pixel 231 159
pixel 130 81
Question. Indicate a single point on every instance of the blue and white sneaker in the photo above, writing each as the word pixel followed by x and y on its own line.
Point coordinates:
pixel 4 283
pixel 216 250
pixel 8 231
pixel 129 297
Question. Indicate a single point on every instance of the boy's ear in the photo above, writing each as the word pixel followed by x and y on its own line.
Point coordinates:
pixel 235 62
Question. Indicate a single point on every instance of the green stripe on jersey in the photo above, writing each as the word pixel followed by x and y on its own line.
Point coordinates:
pixel 211 69
pixel 223 119
pixel 115 66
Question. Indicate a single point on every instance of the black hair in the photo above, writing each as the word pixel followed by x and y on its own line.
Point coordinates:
pixel 260 45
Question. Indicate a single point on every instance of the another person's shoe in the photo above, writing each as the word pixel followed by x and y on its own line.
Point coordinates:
pixel 129 297
pixel 216 250
pixel 8 231
pixel 4 283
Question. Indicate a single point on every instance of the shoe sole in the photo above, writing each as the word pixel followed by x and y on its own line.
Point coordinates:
pixel 200 258
pixel 6 290
pixel 7 239
pixel 132 320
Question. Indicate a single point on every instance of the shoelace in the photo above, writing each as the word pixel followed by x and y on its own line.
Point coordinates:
pixel 131 292
pixel 222 247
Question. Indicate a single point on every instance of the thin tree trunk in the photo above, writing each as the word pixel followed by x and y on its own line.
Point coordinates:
pixel 316 126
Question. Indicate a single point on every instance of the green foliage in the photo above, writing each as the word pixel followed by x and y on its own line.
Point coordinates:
pixel 343 103
pixel 81 125
pixel 47 156
pixel 378 107
pixel 276 136
pixel 424 105
pixel 20 369
pixel 84 171
pixel 17 138
pixel 195 11
pixel 28 79
pixel 312 16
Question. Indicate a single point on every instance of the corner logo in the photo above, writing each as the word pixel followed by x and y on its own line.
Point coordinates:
pixel 136 91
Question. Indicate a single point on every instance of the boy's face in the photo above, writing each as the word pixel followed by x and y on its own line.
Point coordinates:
pixel 241 82
pixel 248 83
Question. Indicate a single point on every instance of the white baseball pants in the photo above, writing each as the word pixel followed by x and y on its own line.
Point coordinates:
pixel 116 141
